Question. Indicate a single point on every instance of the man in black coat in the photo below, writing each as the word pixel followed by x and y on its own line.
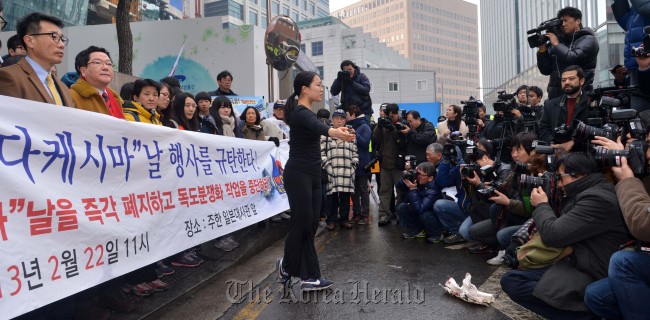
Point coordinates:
pixel 420 133
pixel 590 222
pixel 355 88
pixel 564 109
pixel 576 45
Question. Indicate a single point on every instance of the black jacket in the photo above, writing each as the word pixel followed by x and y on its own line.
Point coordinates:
pixel 579 49
pixel 493 131
pixel 590 221
pixel 419 139
pixel 218 92
pixel 554 115
pixel 356 91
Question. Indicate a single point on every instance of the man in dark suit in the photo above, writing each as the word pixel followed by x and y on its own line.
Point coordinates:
pixel 31 77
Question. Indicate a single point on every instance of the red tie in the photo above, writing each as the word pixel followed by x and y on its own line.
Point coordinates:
pixel 105 96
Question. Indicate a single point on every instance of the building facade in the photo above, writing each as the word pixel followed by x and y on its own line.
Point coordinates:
pixel 254 12
pixel 504 43
pixel 437 36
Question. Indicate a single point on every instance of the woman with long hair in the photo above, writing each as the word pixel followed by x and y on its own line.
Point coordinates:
pixel 453 123
pixel 184 115
pixel 302 180
pixel 164 101
pixel 223 113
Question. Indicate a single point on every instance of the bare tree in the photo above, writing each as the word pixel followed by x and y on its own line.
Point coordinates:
pixel 124 37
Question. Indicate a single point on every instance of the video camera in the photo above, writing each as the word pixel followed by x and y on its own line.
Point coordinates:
pixel 537 38
pixel 505 103
pixel 470 116
pixel 641 51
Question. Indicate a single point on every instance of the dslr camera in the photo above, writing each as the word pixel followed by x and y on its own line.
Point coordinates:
pixel 410 173
pixel 641 51
pixel 537 38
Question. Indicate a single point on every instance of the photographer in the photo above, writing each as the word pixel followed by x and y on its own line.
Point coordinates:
pixel 573 104
pixel 453 123
pixel 594 234
pixel 575 46
pixel 355 88
pixel 416 215
pixel 510 208
pixel 419 134
pixel 392 144
pixel 623 294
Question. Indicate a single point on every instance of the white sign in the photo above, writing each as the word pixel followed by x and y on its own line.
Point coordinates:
pixel 86 197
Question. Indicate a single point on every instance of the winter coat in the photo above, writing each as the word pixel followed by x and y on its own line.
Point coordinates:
pixel 419 139
pixel 393 145
pixel 493 131
pixel 554 115
pixel 363 134
pixel 632 20
pixel 579 49
pixel 590 221
pixel 480 209
pixel 356 91
pixel 133 111
pixel 443 128
pixel 254 132
pixel 448 176
pixel 423 198
pixel 218 92
pixel 635 201
pixel 340 159
pixel 86 97
pixel 209 125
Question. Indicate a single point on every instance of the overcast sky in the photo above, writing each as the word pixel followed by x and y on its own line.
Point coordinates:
pixel 338 4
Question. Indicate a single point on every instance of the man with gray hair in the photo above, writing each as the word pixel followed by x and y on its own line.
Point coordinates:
pixel 434 153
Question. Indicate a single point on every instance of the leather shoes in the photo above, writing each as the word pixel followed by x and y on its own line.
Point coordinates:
pixel 346 225
pixel 331 226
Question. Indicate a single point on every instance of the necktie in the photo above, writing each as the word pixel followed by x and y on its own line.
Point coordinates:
pixel 105 96
pixel 53 91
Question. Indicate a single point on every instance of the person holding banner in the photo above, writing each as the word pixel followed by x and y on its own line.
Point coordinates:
pixel 144 100
pixel 303 182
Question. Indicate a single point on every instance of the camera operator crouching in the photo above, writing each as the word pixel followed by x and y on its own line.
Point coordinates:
pixel 393 143
pixel 416 215
pixel 556 290
pixel 623 294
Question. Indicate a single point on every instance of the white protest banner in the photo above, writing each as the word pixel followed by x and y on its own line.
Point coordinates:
pixel 86 197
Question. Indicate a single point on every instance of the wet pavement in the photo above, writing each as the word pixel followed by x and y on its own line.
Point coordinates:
pixel 376 274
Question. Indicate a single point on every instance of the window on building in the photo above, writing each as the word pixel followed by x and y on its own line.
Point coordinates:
pixel 236 10
pixel 252 18
pixel 312 8
pixel 421 84
pixel 304 5
pixel 294 15
pixel 263 23
pixel 320 72
pixel 303 48
pixel 295 2
pixel 275 8
pixel 253 1
pixel 392 87
pixel 317 48
pixel 285 11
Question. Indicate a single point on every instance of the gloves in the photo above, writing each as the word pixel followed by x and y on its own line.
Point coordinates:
pixel 342 75
pixel 275 140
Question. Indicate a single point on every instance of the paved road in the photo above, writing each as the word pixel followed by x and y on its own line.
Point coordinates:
pixel 369 265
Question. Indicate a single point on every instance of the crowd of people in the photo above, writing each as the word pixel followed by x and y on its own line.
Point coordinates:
pixel 523 184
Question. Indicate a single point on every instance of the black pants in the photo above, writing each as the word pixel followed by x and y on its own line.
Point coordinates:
pixel 339 207
pixel 304 193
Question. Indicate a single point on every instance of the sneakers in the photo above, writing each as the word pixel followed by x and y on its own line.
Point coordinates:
pixel 435 239
pixel 276 218
pixel 283 277
pixel 498 260
pixel 413 235
pixel 384 220
pixel 195 256
pixel 315 284
pixel 163 270
pixel 285 215
pixel 226 244
pixel 186 259
pixel 454 238
pixel 363 220
pixel 322 224
pixel 479 248
pixel 141 290
pixel 158 285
